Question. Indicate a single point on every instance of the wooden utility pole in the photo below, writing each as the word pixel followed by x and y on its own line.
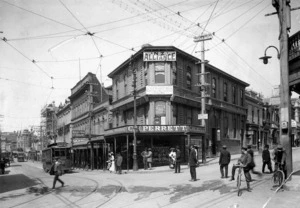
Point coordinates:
pixel 285 113
pixel 203 86
pixel 135 163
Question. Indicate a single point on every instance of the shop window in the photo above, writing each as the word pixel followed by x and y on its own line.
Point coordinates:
pixel 189 78
pixel 225 92
pixel 214 88
pixel 159 69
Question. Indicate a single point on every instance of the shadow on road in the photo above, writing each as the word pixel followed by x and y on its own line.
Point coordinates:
pixel 14 182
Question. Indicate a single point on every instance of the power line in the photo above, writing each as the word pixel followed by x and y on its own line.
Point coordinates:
pixel 33 61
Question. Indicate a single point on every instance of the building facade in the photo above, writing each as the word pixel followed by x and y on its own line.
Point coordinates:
pixel 63 116
pixel 168 103
pixel 86 127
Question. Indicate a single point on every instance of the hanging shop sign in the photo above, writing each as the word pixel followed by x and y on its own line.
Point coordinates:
pixel 159 56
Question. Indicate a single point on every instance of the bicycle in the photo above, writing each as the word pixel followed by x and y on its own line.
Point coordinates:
pixel 278 176
pixel 239 179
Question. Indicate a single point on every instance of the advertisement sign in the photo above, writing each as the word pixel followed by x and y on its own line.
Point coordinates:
pixel 159 56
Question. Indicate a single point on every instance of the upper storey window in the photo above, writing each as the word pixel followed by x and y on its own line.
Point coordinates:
pixel 214 87
pixel 189 78
pixel 233 94
pixel 225 93
pixel 160 73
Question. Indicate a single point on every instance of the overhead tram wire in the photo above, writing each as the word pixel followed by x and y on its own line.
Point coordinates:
pixel 112 22
pixel 87 31
pixel 42 16
pixel 26 83
pixel 31 60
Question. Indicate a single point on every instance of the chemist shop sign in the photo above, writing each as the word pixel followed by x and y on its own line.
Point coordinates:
pixel 159 56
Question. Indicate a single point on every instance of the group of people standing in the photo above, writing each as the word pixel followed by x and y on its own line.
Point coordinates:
pixel 114 164
pixel 246 160
pixel 147 158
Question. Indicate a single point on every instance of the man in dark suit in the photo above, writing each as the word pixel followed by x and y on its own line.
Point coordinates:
pixel 178 160
pixel 193 163
pixel 224 161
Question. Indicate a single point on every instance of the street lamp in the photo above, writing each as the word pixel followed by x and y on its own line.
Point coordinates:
pixel 265 58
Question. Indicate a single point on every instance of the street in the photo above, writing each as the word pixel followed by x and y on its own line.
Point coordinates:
pixel 25 184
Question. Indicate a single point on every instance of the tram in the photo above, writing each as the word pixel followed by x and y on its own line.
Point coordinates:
pixel 60 151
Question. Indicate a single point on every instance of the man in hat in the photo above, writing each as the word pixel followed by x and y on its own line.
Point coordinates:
pixel 193 163
pixel 178 160
pixel 252 164
pixel 57 172
pixel 144 155
pixel 245 161
pixel 280 159
pixel 224 160
pixel 149 158
pixel 266 158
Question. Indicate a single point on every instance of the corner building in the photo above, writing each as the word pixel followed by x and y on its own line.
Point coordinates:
pixel 168 101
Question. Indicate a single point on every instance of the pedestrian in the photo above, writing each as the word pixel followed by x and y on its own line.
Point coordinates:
pixel 149 158
pixel 57 172
pixel 119 161
pixel 108 161
pixel 2 165
pixel 178 160
pixel 112 168
pixel 193 163
pixel 245 161
pixel 144 155
pixel 266 158
pixel 224 160
pixel 280 159
pixel 172 158
pixel 252 164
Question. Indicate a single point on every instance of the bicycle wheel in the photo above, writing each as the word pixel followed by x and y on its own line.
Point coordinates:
pixel 238 184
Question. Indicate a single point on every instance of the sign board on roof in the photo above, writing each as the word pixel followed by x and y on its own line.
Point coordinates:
pixel 159 56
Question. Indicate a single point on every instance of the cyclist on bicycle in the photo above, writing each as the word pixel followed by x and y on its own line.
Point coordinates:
pixel 280 159
pixel 245 161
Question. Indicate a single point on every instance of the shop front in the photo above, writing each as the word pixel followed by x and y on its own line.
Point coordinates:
pixel 159 138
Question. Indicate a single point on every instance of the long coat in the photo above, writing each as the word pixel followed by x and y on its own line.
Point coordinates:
pixel 224 157
pixel 193 158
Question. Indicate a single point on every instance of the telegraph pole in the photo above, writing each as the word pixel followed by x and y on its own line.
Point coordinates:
pixel 135 164
pixel 283 11
pixel 203 87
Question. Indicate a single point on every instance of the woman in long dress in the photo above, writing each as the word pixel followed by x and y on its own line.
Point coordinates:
pixel 112 159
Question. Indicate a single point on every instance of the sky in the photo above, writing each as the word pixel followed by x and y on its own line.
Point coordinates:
pixel 47 46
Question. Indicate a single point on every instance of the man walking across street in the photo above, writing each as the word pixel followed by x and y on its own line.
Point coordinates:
pixel 252 164
pixel 178 160
pixel 266 159
pixel 224 161
pixel 245 161
pixel 57 172
pixel 193 163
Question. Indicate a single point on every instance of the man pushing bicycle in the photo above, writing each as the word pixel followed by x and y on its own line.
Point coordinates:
pixel 243 161
pixel 279 157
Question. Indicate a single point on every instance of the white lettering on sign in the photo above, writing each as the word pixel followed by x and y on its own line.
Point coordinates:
pixel 160 56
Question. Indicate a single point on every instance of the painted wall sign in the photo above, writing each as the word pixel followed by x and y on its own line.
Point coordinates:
pixel 159 90
pixel 159 56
